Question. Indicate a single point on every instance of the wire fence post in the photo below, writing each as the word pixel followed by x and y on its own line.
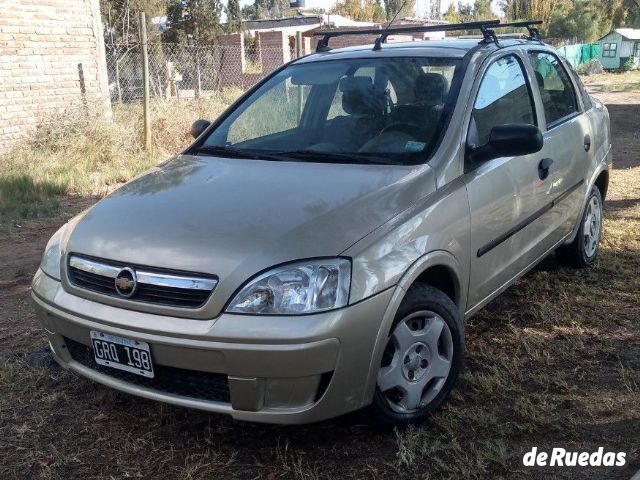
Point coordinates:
pixel 298 44
pixel 198 89
pixel 145 82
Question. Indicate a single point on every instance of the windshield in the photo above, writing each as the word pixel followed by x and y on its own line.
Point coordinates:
pixel 384 110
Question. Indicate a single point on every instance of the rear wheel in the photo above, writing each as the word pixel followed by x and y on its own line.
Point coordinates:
pixel 583 251
pixel 422 358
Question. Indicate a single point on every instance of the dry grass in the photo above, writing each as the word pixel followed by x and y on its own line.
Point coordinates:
pixel 614 81
pixel 553 362
pixel 79 154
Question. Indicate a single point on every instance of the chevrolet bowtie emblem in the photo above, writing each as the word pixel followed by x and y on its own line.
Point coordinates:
pixel 126 282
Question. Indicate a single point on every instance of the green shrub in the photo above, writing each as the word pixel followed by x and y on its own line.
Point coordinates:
pixel 628 65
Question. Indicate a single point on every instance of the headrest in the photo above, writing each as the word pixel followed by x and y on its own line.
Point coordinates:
pixel 359 97
pixel 430 89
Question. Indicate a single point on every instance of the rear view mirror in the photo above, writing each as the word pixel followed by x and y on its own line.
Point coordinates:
pixel 509 140
pixel 198 127
pixel 324 73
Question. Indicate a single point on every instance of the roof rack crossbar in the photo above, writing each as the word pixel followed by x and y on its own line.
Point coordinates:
pixel 534 32
pixel 486 27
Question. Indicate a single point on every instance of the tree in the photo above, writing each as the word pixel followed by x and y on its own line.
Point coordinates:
pixel 120 19
pixel 271 8
pixel 588 20
pixel 465 12
pixel 234 16
pixel 451 15
pixel 631 13
pixel 580 21
pixel 393 7
pixel 249 12
pixel 360 10
pixel 196 20
pixel 610 14
pixel 482 10
pixel 531 9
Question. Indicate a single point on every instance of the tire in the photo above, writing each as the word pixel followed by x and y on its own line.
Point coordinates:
pixel 583 251
pixel 416 360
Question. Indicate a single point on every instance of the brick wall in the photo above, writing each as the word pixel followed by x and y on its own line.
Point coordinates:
pixel 51 59
pixel 274 50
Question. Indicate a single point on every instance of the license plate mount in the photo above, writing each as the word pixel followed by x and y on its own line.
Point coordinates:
pixel 122 353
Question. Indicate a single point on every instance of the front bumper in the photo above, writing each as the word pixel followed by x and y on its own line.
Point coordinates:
pixel 277 369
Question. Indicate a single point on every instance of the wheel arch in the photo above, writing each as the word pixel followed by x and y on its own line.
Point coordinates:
pixel 602 182
pixel 599 179
pixel 431 268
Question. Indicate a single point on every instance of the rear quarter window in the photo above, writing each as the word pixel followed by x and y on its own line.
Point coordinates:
pixel 586 98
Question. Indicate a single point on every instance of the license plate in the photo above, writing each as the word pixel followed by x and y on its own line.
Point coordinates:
pixel 122 353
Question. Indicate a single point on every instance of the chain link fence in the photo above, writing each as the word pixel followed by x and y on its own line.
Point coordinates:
pixel 185 72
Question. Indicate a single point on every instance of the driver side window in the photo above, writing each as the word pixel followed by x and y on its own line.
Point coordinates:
pixel 503 97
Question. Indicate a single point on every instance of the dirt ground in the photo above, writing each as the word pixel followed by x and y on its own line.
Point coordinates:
pixel 553 362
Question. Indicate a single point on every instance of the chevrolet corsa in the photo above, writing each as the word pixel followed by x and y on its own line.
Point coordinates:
pixel 319 247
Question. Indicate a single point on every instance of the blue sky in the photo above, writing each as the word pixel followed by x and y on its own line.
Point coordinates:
pixel 421 5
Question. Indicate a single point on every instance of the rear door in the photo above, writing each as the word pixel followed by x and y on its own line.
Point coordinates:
pixel 568 140
pixel 506 195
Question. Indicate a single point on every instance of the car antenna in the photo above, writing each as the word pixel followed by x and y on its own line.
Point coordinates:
pixel 383 38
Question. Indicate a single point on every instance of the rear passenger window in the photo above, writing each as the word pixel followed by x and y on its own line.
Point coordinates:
pixel 556 90
pixel 503 98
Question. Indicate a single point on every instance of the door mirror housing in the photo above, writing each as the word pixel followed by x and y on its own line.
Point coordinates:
pixel 198 127
pixel 510 140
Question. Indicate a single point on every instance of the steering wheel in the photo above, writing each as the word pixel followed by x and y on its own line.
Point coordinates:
pixel 406 128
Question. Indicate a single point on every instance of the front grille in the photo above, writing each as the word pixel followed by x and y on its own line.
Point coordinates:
pixel 177 381
pixel 153 286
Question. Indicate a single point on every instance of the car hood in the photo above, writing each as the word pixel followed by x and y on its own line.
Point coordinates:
pixel 233 218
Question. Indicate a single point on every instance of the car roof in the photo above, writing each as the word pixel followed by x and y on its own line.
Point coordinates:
pixel 450 48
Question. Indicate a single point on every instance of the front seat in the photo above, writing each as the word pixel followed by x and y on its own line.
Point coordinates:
pixel 429 94
pixel 364 108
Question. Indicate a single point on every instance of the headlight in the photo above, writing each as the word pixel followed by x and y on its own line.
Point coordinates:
pixel 50 263
pixel 302 287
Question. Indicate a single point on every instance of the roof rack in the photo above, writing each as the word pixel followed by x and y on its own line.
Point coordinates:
pixel 486 27
pixel 534 32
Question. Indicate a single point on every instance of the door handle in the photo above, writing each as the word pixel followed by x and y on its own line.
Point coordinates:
pixel 587 142
pixel 543 168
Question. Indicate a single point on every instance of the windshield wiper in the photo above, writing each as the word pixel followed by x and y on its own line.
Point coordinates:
pixel 240 153
pixel 221 151
pixel 289 155
pixel 318 156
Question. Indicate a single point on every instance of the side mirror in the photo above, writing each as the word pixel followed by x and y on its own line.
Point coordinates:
pixel 509 140
pixel 198 127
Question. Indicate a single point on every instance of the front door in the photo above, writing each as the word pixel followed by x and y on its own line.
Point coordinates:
pixel 505 194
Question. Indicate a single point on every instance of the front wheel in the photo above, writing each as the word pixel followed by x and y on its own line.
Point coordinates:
pixel 422 358
pixel 582 252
